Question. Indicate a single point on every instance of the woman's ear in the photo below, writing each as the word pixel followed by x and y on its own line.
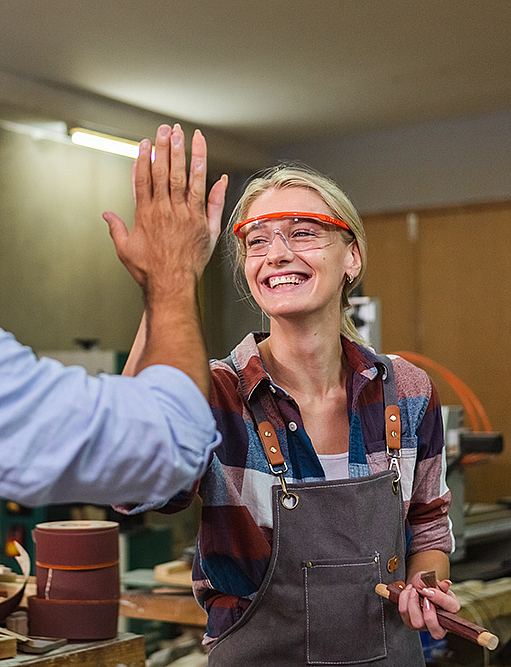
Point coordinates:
pixel 354 261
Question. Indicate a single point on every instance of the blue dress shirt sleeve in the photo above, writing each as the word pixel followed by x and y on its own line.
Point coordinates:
pixel 68 437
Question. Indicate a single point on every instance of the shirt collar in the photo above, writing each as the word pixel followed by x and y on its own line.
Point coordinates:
pixel 252 372
pixel 361 359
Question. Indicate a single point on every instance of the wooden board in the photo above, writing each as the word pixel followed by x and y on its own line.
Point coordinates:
pixel 126 649
pixel 445 294
pixel 175 573
pixel 172 608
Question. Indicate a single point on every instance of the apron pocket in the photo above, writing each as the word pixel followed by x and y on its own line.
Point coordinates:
pixel 345 621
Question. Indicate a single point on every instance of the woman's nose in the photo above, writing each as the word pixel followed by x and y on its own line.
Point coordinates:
pixel 279 249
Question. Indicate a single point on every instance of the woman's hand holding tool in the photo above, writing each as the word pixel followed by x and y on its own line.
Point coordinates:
pixel 447 620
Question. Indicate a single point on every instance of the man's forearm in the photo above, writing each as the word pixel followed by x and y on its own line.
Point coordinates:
pixel 171 334
pixel 68 437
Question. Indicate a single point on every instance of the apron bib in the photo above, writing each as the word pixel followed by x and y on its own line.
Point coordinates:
pixel 317 604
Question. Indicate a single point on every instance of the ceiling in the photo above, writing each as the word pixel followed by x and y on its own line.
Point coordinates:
pixel 255 74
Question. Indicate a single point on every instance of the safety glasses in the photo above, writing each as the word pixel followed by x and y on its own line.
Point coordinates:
pixel 299 231
pixel 291 214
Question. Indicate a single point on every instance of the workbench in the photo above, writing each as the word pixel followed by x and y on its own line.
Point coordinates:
pixel 171 606
pixel 147 598
pixel 126 650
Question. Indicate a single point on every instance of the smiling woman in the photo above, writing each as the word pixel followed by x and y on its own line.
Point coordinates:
pixel 288 538
pixel 297 264
pixel 291 188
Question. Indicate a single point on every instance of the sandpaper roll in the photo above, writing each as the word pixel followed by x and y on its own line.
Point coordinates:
pixel 77 576
pixel 77 544
pixel 98 584
pixel 74 620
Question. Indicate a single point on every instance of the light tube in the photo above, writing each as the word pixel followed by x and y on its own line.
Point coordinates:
pixel 104 142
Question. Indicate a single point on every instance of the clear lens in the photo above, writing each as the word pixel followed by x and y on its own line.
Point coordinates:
pixel 299 234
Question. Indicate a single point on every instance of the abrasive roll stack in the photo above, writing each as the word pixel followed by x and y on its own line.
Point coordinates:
pixel 77 575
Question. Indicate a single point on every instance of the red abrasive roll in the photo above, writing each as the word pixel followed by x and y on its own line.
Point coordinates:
pixel 82 620
pixel 77 575
pixel 77 544
pixel 96 584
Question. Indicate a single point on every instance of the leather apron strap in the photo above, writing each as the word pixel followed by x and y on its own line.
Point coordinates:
pixel 392 416
pixel 271 445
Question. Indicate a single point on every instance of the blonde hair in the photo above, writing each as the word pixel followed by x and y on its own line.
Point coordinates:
pixel 300 176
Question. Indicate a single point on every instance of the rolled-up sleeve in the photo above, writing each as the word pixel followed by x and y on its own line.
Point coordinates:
pixel 429 506
pixel 68 437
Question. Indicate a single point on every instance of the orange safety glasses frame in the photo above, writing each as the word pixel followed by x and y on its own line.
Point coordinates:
pixel 290 214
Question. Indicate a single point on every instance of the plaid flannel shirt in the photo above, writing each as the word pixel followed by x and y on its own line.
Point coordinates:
pixel 235 538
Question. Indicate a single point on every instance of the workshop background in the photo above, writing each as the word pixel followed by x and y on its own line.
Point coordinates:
pixel 406 104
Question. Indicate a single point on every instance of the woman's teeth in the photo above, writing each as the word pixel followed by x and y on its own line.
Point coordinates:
pixel 275 281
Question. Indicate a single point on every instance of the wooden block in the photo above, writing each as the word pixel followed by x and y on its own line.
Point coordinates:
pixel 176 573
pixel 7 647
pixel 180 609
pixel 429 579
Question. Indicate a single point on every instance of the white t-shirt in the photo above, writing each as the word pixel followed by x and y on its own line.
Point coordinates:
pixel 335 465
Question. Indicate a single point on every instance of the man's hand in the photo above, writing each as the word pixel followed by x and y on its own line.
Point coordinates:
pixel 175 230
pixel 169 245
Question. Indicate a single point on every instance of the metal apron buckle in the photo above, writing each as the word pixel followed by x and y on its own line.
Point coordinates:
pixel 290 499
pixel 392 419
pixel 276 461
pixel 394 465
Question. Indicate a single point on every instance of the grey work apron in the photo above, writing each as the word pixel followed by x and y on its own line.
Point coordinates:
pixel 317 604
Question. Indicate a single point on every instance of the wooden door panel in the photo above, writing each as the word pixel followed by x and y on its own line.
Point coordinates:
pixel 448 296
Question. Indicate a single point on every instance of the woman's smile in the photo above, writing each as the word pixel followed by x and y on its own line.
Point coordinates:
pixel 283 280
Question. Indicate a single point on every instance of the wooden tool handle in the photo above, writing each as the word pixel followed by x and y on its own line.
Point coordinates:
pixel 450 622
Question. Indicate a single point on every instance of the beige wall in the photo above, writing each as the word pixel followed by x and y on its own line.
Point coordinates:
pixel 59 274
pixel 439 163
pixel 60 278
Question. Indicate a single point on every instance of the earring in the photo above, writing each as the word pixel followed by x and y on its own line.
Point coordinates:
pixel 351 278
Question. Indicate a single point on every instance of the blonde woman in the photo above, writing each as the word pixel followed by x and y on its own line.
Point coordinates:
pixel 305 508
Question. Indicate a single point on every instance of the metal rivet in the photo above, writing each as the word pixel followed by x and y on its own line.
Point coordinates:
pixel 376 559
pixel 292 426
pixel 393 434
pixel 273 450
pixel 267 434
pixel 393 564
pixel 392 418
pixel 308 563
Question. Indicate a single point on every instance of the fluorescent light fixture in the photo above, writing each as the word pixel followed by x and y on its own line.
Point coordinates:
pixel 104 142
